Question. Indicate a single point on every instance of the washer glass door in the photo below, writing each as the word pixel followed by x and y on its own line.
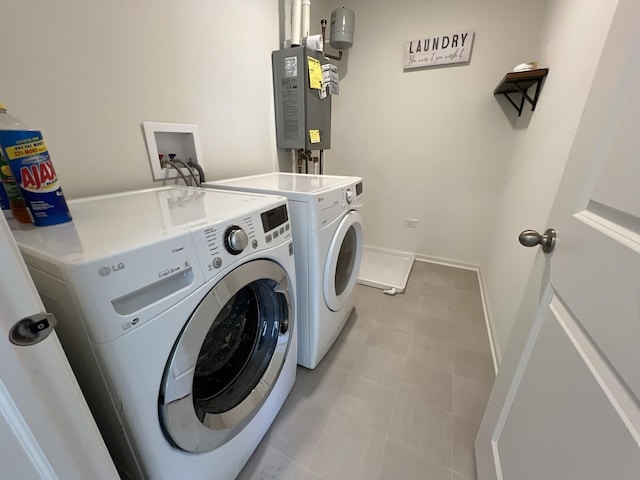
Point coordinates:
pixel 343 261
pixel 227 358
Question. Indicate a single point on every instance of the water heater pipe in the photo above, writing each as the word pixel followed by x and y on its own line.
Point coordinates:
pixel 296 15
pixel 306 17
pixel 323 23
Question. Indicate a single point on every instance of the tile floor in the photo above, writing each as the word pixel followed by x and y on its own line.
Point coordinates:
pixel 400 394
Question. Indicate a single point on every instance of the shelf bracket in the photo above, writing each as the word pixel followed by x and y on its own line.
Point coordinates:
pixel 520 83
pixel 516 106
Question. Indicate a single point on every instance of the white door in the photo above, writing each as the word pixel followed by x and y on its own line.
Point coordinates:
pixel 46 429
pixel 566 403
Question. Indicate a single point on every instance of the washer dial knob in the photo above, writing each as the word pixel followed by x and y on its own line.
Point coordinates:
pixel 349 196
pixel 235 240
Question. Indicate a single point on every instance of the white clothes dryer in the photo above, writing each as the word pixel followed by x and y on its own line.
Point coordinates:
pixel 176 308
pixel 328 238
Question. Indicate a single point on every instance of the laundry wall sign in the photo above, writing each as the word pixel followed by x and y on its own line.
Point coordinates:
pixel 432 50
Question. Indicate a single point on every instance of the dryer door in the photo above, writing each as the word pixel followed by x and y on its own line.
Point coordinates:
pixel 343 261
pixel 228 357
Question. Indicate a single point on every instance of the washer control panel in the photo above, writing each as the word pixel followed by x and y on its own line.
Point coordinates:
pixel 275 223
pixel 222 244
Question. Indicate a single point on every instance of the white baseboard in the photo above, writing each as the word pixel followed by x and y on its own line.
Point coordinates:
pixel 488 318
pixel 447 261
pixel 389 251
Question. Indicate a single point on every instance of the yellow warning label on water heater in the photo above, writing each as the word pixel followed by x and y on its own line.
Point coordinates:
pixel 314 136
pixel 315 73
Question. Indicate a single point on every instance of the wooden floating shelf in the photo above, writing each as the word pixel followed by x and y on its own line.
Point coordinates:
pixel 519 83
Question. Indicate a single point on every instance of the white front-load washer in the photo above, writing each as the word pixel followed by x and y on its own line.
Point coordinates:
pixel 176 308
pixel 328 238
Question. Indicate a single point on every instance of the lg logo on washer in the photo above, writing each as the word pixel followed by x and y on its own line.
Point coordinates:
pixel 106 271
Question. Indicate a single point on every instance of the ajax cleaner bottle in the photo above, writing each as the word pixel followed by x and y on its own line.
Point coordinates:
pixel 23 150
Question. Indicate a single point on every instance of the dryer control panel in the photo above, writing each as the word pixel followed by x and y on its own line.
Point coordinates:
pixel 331 205
pixel 221 245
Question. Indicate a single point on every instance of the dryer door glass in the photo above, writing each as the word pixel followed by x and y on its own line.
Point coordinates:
pixel 346 260
pixel 343 261
pixel 228 357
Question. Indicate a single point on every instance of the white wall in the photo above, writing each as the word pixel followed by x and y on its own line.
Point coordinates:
pixel 571 41
pixel 430 144
pixel 88 74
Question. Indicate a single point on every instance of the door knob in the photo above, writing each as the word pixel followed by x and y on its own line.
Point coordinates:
pixel 33 329
pixel 531 238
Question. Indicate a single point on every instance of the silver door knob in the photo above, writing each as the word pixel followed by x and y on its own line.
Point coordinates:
pixel 531 238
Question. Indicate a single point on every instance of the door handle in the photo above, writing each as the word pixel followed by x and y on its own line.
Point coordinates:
pixel 531 238
pixel 33 329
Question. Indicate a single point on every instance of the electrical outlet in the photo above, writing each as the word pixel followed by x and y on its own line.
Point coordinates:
pixel 411 222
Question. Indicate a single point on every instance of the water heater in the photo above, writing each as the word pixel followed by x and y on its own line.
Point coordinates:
pixel 303 119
